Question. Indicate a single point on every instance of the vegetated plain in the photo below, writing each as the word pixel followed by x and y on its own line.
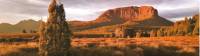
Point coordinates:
pixel 153 46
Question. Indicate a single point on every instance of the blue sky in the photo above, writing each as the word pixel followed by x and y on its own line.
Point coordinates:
pixel 13 11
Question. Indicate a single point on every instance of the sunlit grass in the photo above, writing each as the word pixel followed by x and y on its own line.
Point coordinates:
pixel 163 46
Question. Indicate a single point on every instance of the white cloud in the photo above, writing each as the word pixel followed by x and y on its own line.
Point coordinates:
pixel 12 11
pixel 41 2
pixel 78 11
pixel 82 14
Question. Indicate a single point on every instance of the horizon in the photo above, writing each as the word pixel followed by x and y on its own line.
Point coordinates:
pixel 89 10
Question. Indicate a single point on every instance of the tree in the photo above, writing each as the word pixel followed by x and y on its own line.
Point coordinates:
pixel 24 31
pixel 138 34
pixel 160 32
pixel 55 34
pixel 196 28
pixel 33 31
pixel 188 26
pixel 153 33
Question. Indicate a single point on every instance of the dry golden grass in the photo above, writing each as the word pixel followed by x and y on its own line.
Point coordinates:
pixel 9 48
pixel 188 44
pixel 179 41
pixel 18 35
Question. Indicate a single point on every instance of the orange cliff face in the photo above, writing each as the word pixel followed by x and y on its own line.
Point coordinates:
pixel 132 13
pixel 147 12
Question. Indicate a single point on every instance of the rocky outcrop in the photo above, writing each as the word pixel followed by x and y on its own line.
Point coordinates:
pixel 131 16
pixel 55 34
pixel 129 13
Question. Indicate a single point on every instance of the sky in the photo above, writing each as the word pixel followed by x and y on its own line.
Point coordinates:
pixel 13 11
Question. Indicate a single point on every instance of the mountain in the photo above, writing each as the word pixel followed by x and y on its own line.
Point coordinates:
pixel 5 27
pixel 146 15
pixel 132 13
pixel 128 16
pixel 131 16
pixel 28 25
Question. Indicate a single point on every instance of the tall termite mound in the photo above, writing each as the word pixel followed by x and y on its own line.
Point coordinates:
pixel 55 33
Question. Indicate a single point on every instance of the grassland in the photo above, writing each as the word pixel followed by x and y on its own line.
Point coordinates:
pixel 18 35
pixel 179 41
pixel 154 46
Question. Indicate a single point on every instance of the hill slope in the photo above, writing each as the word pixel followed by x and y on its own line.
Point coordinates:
pixel 27 25
pixel 130 16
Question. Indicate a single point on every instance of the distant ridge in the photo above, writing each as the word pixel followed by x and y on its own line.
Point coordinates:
pixel 28 25
pixel 130 16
